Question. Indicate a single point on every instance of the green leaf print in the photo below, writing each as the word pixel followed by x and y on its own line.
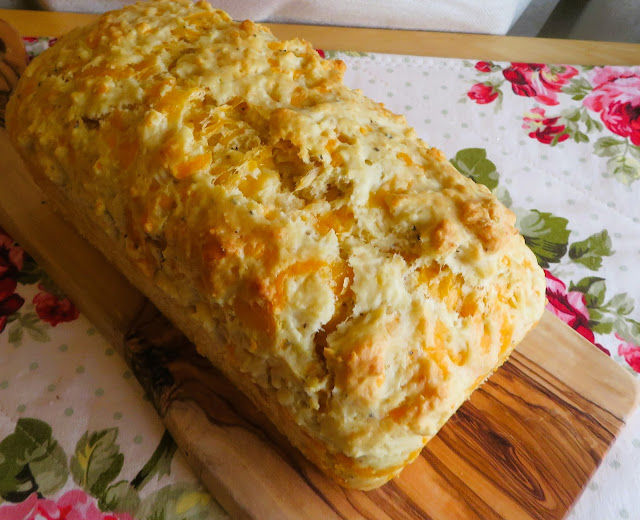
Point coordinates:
pixel 578 88
pixel 580 137
pixel 623 168
pixel 545 234
pixel 120 498
pixel 601 327
pixel 31 461
pixel 31 272
pixel 608 147
pixel 159 463
pixel 29 322
pixel 628 329
pixel 611 316
pixel 177 502
pixel 37 332
pixel 594 289
pixel 503 196
pixel 571 114
pixel 589 252
pixel 621 304
pixel 97 461
pixel 473 163
pixel 15 334
pixel 590 123
pixel 51 287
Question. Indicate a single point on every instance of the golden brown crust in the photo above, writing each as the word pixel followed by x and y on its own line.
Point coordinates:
pixel 340 272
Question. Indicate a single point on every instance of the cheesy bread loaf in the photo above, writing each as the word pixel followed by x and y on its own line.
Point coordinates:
pixel 338 270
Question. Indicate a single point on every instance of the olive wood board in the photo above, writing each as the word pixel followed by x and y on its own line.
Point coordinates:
pixel 523 447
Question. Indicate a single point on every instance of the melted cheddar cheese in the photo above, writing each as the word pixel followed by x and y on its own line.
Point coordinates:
pixel 347 266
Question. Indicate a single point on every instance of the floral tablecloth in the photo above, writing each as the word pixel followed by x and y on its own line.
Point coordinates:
pixel 558 144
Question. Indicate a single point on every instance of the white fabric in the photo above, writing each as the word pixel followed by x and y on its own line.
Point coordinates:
pixel 469 16
pixel 489 16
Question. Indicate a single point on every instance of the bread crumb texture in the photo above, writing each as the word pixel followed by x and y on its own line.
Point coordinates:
pixel 342 263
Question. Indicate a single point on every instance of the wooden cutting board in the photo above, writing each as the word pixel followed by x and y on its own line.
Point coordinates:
pixel 523 447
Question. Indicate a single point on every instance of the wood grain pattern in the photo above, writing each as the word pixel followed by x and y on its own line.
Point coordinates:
pixel 523 446
pixel 419 43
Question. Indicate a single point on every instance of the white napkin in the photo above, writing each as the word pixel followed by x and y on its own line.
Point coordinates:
pixel 470 16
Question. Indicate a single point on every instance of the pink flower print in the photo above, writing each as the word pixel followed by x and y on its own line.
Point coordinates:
pixel 630 353
pixel 544 129
pixel 539 81
pixel 482 94
pixel 11 263
pixel 73 505
pixel 616 96
pixel 52 309
pixel 484 66
pixel 570 307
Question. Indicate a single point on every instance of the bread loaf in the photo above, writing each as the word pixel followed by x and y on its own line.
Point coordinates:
pixel 338 270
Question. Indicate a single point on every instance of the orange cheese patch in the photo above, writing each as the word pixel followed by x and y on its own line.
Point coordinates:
pixel 190 166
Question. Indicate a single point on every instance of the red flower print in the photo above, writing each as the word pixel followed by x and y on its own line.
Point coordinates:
pixel 616 95
pixel 624 120
pixel 544 129
pixel 604 76
pixel 10 302
pixel 484 66
pixel 570 307
pixel 538 81
pixel 11 256
pixel 482 93
pixel 630 353
pixel 73 505
pixel 52 309
pixel 11 263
